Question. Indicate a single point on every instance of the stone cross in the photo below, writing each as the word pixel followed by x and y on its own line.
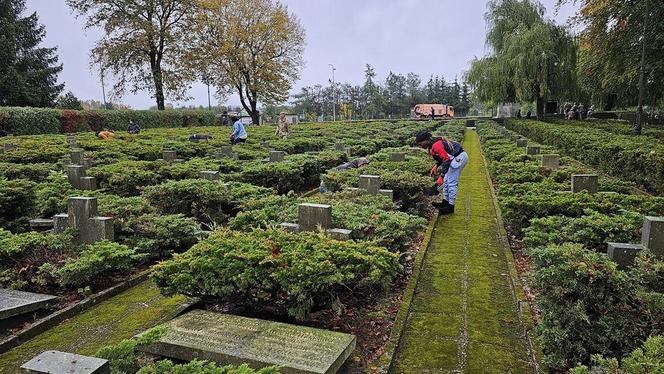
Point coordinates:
pixel 209 175
pixel 82 217
pixel 551 161
pixel 226 151
pixel 521 142
pixel 56 362
pixel 587 182
pixel 277 156
pixel 78 179
pixel 313 216
pixel 76 156
pixel 652 239
pixel 371 184
pixel 71 140
pixel 532 150
pixel 171 156
pixel 397 156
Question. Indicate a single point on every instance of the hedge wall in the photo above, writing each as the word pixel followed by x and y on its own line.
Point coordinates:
pixel 32 121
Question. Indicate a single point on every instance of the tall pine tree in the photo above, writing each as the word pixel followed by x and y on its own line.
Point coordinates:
pixel 28 73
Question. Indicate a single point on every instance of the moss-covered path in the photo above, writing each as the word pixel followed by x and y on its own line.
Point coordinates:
pixel 109 322
pixel 464 316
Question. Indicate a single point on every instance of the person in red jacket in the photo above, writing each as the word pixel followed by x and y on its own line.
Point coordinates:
pixel 450 160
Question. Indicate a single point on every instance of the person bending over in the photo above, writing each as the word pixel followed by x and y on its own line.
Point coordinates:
pixel 450 160
pixel 239 134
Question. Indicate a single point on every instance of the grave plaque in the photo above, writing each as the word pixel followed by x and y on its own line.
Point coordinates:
pixel 226 151
pixel 585 182
pixel 229 339
pixel 277 156
pixel 56 362
pixel 551 161
pixel 397 156
pixel 532 150
pixel 652 235
pixel 14 303
pixel 310 216
pixel 169 155
pixel 370 183
pixel 623 254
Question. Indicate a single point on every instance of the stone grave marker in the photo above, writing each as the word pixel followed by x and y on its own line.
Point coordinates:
pixel 312 216
pixel 209 175
pixel 551 161
pixel 14 303
pixel 41 224
pixel 371 184
pixel 277 156
pixel 78 179
pixel 521 142
pixel 339 147
pixel 71 140
pixel 532 150
pixel 82 217
pixel 585 182
pixel 56 362
pixel 652 235
pixel 397 156
pixel 265 144
pixel 226 151
pixel 623 254
pixel 229 339
pixel 170 156
pixel 76 156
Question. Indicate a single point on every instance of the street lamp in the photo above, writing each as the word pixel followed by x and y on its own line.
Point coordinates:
pixel 334 95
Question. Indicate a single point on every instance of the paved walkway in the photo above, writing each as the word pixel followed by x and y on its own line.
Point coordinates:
pixel 120 317
pixel 463 316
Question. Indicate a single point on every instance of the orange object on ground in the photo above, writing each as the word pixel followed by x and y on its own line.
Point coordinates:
pixel 105 135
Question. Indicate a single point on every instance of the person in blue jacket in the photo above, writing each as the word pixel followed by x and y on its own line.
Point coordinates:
pixel 239 134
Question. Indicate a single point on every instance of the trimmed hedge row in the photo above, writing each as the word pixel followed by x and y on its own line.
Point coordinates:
pixel 32 121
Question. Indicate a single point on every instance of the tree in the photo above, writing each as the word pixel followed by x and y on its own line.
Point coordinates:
pixel 68 101
pixel 143 44
pixel 28 73
pixel 531 58
pixel 255 47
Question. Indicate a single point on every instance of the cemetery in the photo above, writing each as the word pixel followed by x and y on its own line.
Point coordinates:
pixel 269 187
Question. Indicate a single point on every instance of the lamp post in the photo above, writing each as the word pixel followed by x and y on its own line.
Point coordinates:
pixel 334 95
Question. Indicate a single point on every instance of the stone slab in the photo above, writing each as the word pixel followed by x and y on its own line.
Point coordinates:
pixel 652 235
pixel 76 157
pixel 60 222
pixel 277 156
pixel 74 175
pixel 388 193
pixel 551 161
pixel 56 362
pixel 169 155
pixel 310 216
pixel 88 183
pixel 623 254
pixel 230 339
pixel 14 303
pixel 340 234
pixel 41 223
pixel 370 183
pixel 290 227
pixel 585 182
pixel 397 157
pixel 209 175
pixel 532 150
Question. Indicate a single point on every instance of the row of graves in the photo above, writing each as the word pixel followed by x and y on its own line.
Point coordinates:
pixel 197 334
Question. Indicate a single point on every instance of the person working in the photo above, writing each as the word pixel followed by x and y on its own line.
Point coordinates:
pixel 359 162
pixel 283 131
pixel 450 160
pixel 133 128
pixel 239 134
pixel 106 134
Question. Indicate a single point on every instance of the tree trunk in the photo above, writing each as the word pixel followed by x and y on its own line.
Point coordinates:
pixel 540 108
pixel 255 118
pixel 158 79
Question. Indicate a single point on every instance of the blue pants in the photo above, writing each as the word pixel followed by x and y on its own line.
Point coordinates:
pixel 451 183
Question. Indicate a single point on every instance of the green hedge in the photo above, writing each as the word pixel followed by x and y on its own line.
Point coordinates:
pixel 31 121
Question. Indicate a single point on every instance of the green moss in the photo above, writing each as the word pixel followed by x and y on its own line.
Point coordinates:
pixel 109 322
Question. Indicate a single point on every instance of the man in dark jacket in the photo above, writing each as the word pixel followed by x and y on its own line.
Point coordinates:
pixel 450 160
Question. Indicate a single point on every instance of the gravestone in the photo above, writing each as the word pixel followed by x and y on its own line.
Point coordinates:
pixel 56 362
pixel 313 216
pixel 78 179
pixel 209 175
pixel 265 144
pixel 76 157
pixel 521 142
pixel 82 217
pixel 371 184
pixel 532 150
pixel 585 182
pixel 230 339
pixel 171 156
pixel 551 161
pixel 623 254
pixel 652 235
pixel 41 224
pixel 277 156
pixel 8 147
pixel 397 156
pixel 71 140
pixel 14 303
pixel 226 151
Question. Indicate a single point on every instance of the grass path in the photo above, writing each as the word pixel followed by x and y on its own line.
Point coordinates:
pixel 109 322
pixel 464 316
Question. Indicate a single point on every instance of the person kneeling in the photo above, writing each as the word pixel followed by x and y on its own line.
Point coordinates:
pixel 239 134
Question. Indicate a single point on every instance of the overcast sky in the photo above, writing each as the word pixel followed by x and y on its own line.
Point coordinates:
pixel 427 37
